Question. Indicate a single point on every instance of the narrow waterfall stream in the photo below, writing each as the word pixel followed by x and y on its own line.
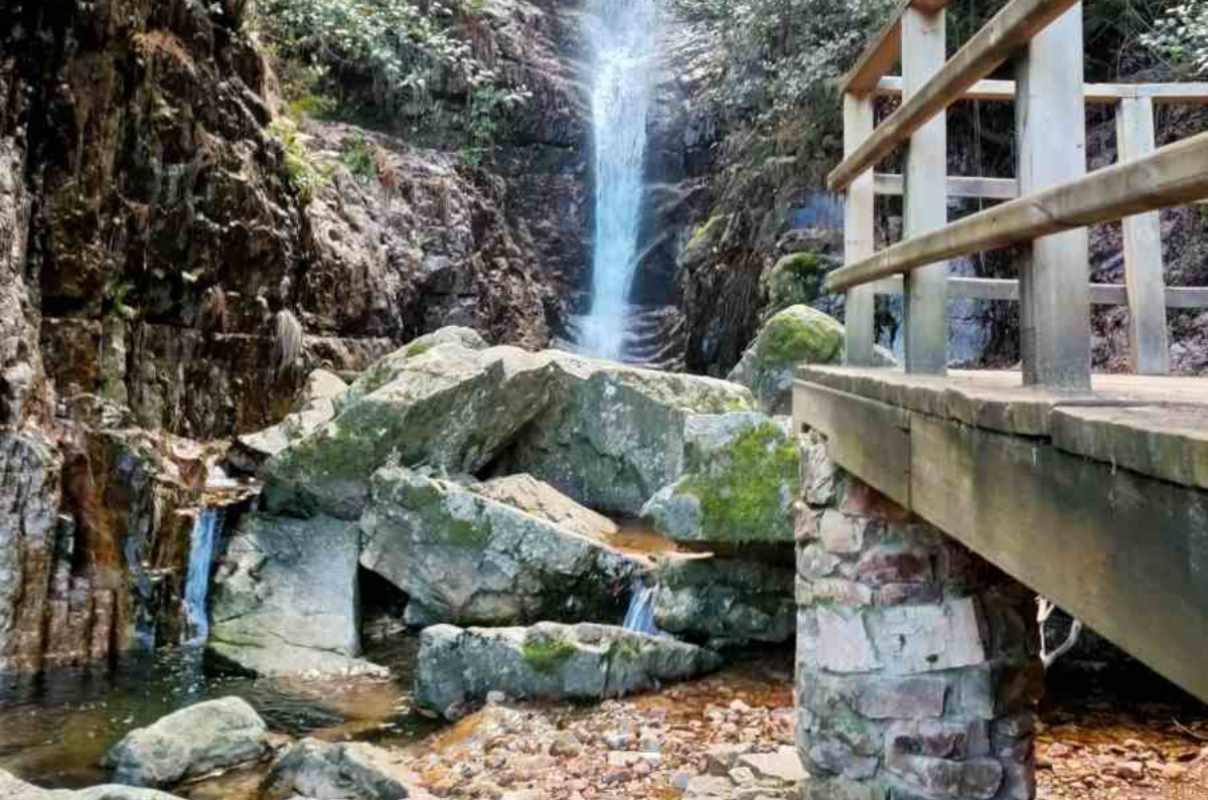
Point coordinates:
pixel 197 581
pixel 640 616
pixel 623 38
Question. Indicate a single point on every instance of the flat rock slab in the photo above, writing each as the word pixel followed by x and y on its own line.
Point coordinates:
pixel 464 558
pixel 284 599
pixel 458 667
pixel 13 788
pixel 545 502
pixel 784 765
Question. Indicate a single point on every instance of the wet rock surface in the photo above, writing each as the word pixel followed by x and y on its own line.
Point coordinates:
pixel 196 740
pixel 461 667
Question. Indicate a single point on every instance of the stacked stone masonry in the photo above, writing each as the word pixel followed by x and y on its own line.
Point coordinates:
pixel 917 676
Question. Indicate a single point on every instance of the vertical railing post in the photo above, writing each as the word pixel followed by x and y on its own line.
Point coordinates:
pixel 925 197
pixel 858 233
pixel 1054 272
pixel 1143 249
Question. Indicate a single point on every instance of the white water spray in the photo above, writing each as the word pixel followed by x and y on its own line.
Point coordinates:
pixel 623 37
pixel 197 580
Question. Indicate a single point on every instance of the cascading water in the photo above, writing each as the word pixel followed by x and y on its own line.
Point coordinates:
pixel 197 580
pixel 640 616
pixel 623 37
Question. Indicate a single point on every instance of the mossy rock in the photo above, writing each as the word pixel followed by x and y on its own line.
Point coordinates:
pixel 737 491
pixel 798 335
pixel 704 241
pixel 796 279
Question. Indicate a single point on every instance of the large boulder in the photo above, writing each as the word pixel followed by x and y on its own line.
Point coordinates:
pixel 13 788
pixel 284 598
pixel 315 408
pixel 797 335
pixel 742 474
pixel 457 667
pixel 462 557
pixel 388 368
pixel 607 435
pixel 614 434
pixel 449 406
pixel 343 771
pixel 725 602
pixel 542 500
pixel 193 741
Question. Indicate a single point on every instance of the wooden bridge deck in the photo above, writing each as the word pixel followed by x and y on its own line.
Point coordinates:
pixel 1096 500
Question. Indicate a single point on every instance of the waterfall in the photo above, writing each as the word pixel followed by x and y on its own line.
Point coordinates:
pixel 197 580
pixel 622 36
pixel 640 616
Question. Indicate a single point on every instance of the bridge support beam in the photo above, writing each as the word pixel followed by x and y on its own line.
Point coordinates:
pixel 916 667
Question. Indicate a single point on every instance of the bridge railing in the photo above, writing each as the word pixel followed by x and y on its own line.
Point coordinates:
pixel 1048 204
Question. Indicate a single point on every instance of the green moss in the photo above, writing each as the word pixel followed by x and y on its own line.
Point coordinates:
pixel 546 655
pixel 627 648
pixel 797 335
pixel 418 349
pixel 742 491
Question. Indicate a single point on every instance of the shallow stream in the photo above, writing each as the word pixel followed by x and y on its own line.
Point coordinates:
pixel 54 728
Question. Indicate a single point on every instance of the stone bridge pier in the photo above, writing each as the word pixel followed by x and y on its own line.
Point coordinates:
pixel 917 671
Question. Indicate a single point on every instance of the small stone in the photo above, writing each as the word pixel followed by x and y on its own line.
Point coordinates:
pixel 720 759
pixel 679 780
pixel 565 744
pixel 742 776
pixel 784 765
pixel 902 698
pixel 1130 770
pixel 496 698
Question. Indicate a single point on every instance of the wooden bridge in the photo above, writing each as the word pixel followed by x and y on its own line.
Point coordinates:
pixel 1092 490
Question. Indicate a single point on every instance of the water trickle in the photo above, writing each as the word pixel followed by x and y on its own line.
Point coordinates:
pixel 197 581
pixel 623 36
pixel 640 616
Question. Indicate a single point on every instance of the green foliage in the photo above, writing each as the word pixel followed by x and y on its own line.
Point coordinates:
pixel 782 54
pixel 546 655
pixel 413 55
pixel 1182 36
pixel 306 174
pixel 360 159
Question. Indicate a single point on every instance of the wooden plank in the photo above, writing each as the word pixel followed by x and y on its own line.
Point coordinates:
pixel 859 232
pixel 1054 293
pixel 1149 348
pixel 1007 289
pixel 926 203
pixel 1008 31
pixel 1173 175
pixel 958 186
pixel 1167 441
pixel 878 56
pixel 869 439
pixel 1126 554
pixel 1093 93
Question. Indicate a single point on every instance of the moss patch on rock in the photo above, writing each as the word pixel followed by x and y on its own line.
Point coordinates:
pixel 546 655
pixel 743 493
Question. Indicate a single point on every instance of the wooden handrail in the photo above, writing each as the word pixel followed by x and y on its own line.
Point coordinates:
pixel 1008 31
pixel 1097 93
pixel 1007 289
pixel 958 186
pixel 1173 175
pixel 883 50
